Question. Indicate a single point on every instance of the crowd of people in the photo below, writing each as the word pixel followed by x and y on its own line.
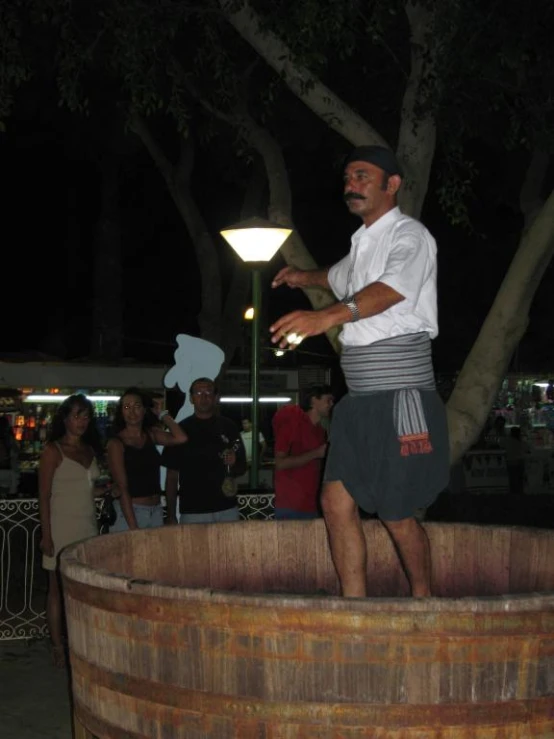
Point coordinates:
pixel 387 450
pixel 203 456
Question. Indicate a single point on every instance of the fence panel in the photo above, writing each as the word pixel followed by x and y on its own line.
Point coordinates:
pixel 23 582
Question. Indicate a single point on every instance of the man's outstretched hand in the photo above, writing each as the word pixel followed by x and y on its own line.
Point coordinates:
pixel 289 276
pixel 290 330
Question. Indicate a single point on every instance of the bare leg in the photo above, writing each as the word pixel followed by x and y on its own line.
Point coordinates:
pixel 54 618
pixel 346 539
pixel 412 546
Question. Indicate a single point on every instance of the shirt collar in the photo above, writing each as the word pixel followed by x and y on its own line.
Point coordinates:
pixel 379 226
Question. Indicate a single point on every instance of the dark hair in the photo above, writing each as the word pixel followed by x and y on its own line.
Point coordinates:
pixel 203 379
pixel 314 391
pixel 82 404
pixel 149 419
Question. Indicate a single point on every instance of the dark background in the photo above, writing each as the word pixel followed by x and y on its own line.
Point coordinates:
pixel 51 204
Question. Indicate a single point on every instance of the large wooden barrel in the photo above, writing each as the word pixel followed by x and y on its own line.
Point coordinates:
pixel 236 630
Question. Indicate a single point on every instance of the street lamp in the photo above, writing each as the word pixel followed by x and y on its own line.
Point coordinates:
pixel 255 241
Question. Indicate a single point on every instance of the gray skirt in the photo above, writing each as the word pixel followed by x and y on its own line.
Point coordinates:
pixel 365 455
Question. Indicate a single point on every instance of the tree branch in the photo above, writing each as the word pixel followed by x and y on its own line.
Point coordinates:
pixel 177 181
pixel 417 133
pixel 313 93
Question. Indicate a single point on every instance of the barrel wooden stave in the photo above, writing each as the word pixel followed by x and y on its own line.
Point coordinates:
pixel 154 653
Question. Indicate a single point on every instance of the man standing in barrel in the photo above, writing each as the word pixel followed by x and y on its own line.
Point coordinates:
pixel 389 450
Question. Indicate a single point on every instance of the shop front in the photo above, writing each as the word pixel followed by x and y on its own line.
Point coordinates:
pixel 38 388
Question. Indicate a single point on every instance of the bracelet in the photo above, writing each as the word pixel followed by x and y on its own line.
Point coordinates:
pixel 350 303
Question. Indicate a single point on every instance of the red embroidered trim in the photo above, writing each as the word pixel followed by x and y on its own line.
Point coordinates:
pixel 415 444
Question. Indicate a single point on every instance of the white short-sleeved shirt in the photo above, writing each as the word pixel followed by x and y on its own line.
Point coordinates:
pixel 400 252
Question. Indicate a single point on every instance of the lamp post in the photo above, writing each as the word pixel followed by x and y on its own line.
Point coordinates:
pixel 255 241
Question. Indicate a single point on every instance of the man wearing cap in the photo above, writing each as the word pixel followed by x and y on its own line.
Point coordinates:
pixel 388 450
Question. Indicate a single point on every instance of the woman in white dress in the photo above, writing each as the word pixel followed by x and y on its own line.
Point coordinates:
pixel 67 471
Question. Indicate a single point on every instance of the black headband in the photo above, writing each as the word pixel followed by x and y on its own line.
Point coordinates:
pixel 377 155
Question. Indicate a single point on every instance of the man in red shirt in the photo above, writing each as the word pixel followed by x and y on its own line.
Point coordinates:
pixel 300 445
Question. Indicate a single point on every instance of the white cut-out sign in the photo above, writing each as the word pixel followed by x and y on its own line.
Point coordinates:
pixel 194 358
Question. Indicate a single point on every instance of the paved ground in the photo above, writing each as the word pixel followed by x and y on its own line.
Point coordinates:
pixel 34 695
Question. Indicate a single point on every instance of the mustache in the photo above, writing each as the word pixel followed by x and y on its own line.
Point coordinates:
pixel 352 196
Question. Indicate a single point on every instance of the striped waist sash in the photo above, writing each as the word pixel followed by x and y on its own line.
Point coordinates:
pixel 391 364
pixel 402 364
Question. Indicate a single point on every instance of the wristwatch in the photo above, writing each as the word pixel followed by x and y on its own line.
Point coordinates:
pixel 350 303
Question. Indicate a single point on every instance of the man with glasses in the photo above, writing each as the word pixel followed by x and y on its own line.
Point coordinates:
pixel 203 475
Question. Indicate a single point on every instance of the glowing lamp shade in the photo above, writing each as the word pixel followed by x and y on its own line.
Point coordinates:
pixel 255 240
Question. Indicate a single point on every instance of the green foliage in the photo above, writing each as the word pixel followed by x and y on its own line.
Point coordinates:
pixel 454 189
pixel 488 68
pixel 14 67
pixel 322 31
pixel 503 89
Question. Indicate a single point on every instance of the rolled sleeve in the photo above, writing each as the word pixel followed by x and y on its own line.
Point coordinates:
pixel 338 277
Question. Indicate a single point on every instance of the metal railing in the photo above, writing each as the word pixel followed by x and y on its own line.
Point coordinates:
pixel 23 582
pixel 256 506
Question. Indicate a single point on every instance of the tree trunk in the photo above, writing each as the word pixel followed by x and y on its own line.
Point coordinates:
pixel 417 134
pixel 218 325
pixel 294 250
pixel 177 180
pixel 487 362
pixel 210 316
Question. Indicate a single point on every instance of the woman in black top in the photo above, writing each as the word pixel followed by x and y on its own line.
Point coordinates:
pixel 134 461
